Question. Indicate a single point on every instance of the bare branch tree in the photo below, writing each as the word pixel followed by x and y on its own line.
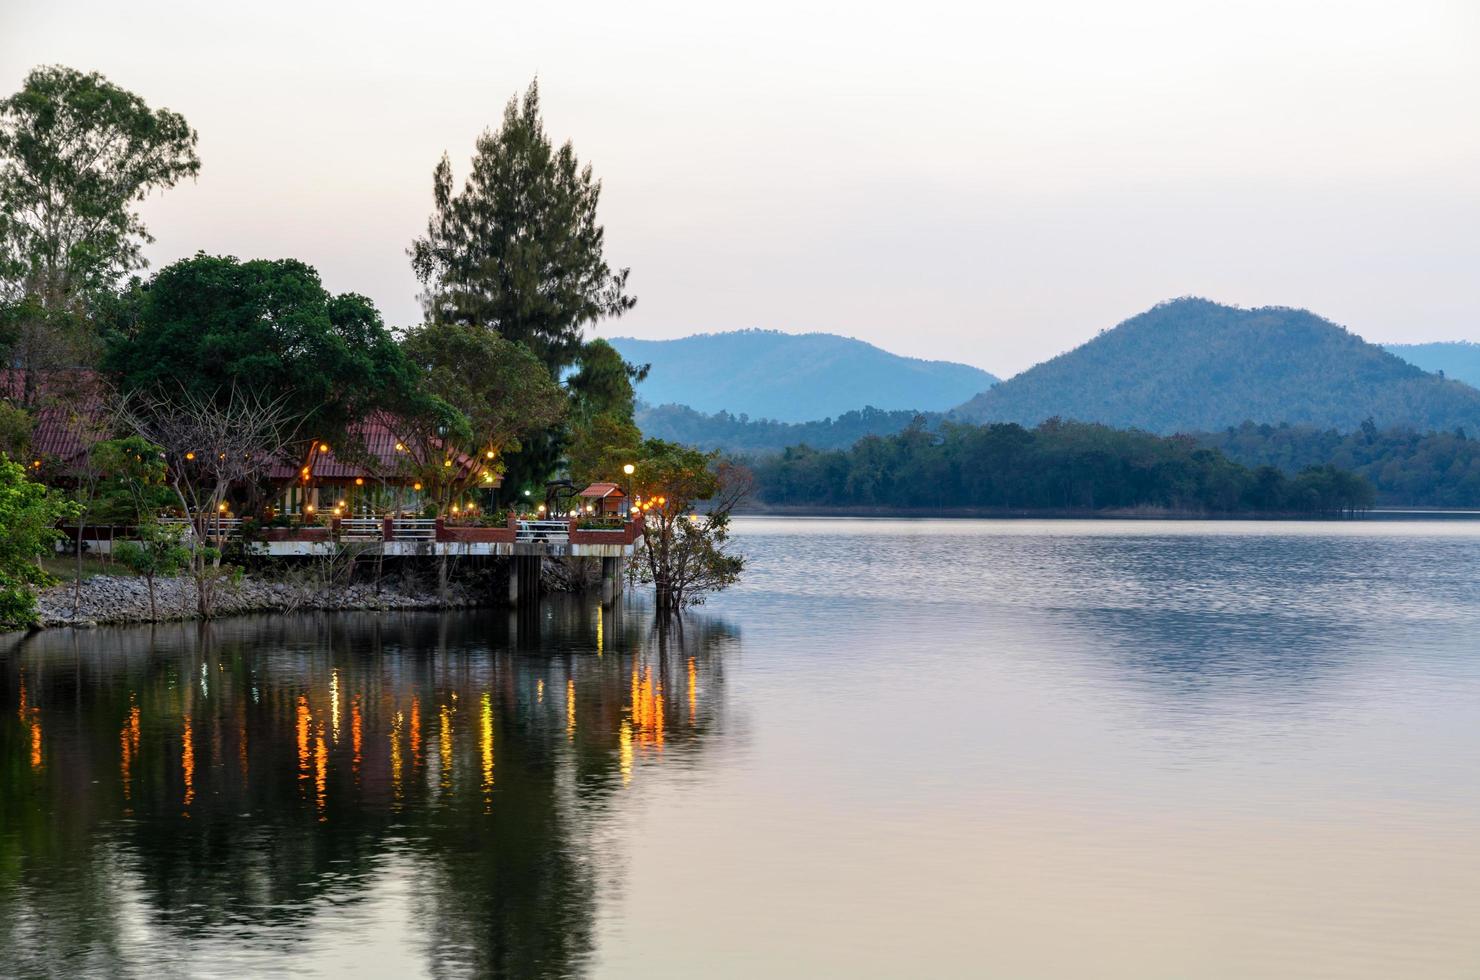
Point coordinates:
pixel 212 444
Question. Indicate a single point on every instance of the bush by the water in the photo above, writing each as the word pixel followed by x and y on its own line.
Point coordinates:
pixel 1055 466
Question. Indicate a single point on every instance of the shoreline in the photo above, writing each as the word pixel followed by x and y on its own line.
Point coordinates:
pixel 116 600
pixel 1111 514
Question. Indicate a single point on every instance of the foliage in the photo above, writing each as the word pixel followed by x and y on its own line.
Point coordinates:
pixel 29 513
pixel 208 323
pixel 741 434
pixel 487 393
pixel 1196 366
pixel 685 554
pixel 157 551
pixel 1406 468
pixel 795 377
pixel 1066 466
pixel 76 155
pixel 518 250
pixel 133 488
pixel 16 427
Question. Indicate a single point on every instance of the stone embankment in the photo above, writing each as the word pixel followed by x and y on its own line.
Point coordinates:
pixel 109 599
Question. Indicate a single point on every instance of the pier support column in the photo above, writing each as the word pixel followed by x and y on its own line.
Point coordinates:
pixel 609 587
pixel 513 581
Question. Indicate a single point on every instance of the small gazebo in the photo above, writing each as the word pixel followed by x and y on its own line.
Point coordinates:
pixel 603 499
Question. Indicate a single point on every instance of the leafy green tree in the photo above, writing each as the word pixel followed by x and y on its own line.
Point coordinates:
pixel 77 154
pixel 519 250
pixel 156 552
pixel 209 323
pixel 602 435
pixel 29 513
pixel 486 394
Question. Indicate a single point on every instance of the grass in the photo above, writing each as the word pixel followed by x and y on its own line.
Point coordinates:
pixel 64 567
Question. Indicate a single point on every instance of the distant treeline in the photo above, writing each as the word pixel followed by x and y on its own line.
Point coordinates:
pixel 742 434
pixel 1058 466
pixel 1438 469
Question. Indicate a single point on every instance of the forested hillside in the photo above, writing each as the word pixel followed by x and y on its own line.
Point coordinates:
pixel 1459 359
pixel 1193 365
pixel 766 374
pixel 1062 466
pixel 742 434
pixel 1439 469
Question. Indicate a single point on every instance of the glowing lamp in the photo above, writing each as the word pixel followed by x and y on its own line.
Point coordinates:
pixel 446 462
pixel 359 481
pixel 629 469
pixel 400 448
pixel 190 455
pixel 308 509
pixel 323 447
pixel 416 486
pixel 489 454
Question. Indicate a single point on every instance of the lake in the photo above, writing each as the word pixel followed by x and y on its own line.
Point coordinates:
pixel 899 749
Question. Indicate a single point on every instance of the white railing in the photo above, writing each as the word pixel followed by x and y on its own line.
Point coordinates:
pixel 362 528
pixel 542 531
pixel 414 529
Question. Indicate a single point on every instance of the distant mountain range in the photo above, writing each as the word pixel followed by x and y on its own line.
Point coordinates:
pixel 1457 359
pixel 794 377
pixel 1193 365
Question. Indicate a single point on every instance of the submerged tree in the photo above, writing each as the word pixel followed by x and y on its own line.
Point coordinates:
pixel 77 154
pixel 686 552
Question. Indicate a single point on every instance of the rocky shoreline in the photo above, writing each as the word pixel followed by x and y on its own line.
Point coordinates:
pixel 109 600
pixel 116 600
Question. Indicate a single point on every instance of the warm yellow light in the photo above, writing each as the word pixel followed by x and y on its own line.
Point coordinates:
pixel 305 470
pixel 190 455
pixel 629 469
pixel 454 508
pixel 446 462
pixel 308 509
pixel 400 448
pixel 323 447
pixel 489 454
pixel 36 464
pixel 222 508
pixel 359 481
pixel 416 486
pixel 589 508
pixel 542 508
pixel 341 504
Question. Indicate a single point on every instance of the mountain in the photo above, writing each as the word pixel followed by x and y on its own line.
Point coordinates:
pixel 1194 365
pixel 1457 359
pixel 794 377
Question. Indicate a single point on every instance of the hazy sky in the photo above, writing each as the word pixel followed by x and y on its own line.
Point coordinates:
pixel 991 183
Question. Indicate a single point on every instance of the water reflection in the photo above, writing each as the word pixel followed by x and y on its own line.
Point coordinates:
pixel 164 790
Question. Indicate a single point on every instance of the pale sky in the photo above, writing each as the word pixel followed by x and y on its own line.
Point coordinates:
pixel 984 182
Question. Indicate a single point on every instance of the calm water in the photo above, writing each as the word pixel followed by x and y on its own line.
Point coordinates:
pixel 900 749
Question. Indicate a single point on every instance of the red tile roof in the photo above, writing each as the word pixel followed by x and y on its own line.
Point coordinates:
pixel 602 490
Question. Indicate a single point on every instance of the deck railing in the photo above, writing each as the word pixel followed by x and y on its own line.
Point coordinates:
pixel 414 529
pixel 543 531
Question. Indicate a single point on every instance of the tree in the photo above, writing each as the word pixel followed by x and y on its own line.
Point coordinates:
pixel 76 155
pixel 685 554
pixel 487 393
pixel 212 325
pixel 211 442
pixel 29 513
pixel 602 433
pixel 519 250
pixel 157 552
